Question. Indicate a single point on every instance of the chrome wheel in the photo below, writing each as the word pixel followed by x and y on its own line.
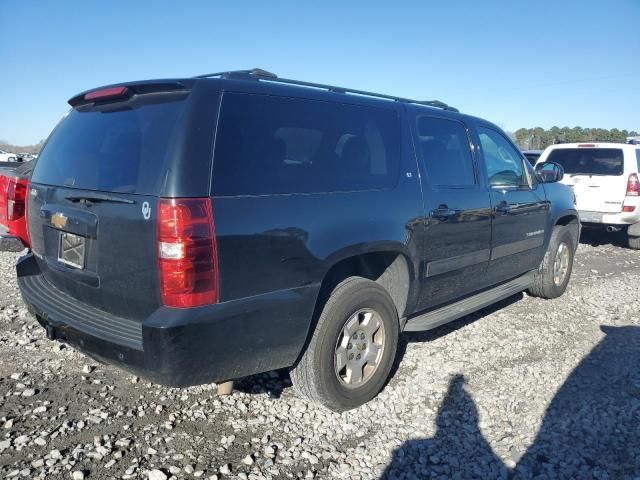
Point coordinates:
pixel 359 348
pixel 561 265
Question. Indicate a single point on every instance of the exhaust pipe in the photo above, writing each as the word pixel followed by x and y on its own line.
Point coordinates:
pixel 612 229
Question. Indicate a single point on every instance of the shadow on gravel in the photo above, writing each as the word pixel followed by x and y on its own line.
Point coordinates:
pixel 458 450
pixel 430 335
pixel 597 238
pixel 591 428
pixel 272 383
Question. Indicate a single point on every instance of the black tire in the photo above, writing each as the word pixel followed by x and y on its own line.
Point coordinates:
pixel 315 377
pixel 634 242
pixel 545 285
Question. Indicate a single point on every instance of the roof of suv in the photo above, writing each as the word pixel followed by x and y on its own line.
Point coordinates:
pixel 258 74
pixel 260 81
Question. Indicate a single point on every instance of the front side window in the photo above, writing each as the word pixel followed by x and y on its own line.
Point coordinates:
pixel 445 149
pixel 503 162
pixel 275 145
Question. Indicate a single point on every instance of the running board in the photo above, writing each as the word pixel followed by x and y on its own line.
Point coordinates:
pixel 447 314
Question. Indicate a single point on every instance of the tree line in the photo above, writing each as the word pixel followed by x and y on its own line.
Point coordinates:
pixel 538 138
pixel 8 147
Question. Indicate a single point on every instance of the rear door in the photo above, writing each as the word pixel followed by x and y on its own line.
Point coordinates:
pixel 519 206
pixel 597 176
pixel 93 197
pixel 458 233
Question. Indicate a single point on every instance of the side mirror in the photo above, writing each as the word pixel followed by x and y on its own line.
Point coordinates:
pixel 549 172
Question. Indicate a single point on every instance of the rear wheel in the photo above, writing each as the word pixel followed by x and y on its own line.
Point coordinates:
pixel 553 276
pixel 634 242
pixel 350 355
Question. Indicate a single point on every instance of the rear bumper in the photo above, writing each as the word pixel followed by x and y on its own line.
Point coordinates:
pixel 178 347
pixel 622 218
pixel 10 243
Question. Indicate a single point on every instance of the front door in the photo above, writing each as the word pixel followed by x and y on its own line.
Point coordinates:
pixel 519 208
pixel 458 231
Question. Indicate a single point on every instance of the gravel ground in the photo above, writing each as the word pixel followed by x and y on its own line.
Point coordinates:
pixel 525 389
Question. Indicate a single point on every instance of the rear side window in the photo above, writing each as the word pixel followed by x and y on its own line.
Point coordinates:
pixel 638 159
pixel 446 152
pixel 589 161
pixel 116 151
pixel 275 145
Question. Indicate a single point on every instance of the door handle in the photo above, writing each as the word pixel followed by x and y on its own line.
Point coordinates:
pixel 503 208
pixel 443 213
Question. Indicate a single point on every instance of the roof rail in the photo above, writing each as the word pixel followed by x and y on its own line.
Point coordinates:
pixel 260 74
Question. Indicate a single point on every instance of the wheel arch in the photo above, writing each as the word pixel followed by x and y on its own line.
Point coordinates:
pixel 571 221
pixel 388 265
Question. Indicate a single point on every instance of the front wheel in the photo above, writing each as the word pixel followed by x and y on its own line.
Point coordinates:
pixel 553 275
pixel 351 352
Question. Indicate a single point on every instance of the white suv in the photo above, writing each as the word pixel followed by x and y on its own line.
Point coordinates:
pixel 605 178
pixel 7 157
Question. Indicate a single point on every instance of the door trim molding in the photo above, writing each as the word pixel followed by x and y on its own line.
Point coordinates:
pixel 438 267
pixel 517 247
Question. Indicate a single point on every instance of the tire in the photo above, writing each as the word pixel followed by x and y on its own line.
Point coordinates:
pixel 561 249
pixel 634 242
pixel 355 306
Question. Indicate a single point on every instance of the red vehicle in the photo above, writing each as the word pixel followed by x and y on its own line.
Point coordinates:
pixel 13 193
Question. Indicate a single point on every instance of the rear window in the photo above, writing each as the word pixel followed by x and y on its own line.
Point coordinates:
pixel 122 151
pixel 589 161
pixel 275 145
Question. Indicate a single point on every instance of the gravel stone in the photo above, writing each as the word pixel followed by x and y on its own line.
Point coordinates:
pixel 157 475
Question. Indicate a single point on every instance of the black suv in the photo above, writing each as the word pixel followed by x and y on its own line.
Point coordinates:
pixel 205 229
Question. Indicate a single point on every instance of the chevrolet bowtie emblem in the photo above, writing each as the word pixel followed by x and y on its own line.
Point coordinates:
pixel 58 220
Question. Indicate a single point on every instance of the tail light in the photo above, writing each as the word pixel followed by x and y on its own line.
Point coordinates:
pixel 16 199
pixel 27 239
pixel 633 186
pixel 187 253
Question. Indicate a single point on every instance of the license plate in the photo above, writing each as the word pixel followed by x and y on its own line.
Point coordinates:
pixel 591 217
pixel 71 250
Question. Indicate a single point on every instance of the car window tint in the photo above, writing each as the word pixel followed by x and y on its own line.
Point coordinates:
pixel 445 150
pixel 275 145
pixel 502 160
pixel 117 151
pixel 589 161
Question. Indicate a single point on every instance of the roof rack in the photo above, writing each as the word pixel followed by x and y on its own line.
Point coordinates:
pixel 260 74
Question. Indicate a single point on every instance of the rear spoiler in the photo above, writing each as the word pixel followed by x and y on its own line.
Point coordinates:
pixel 125 91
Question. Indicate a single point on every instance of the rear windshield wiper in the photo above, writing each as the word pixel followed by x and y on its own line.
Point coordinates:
pixel 98 197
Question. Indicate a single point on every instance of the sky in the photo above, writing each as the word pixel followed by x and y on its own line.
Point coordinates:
pixel 518 64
